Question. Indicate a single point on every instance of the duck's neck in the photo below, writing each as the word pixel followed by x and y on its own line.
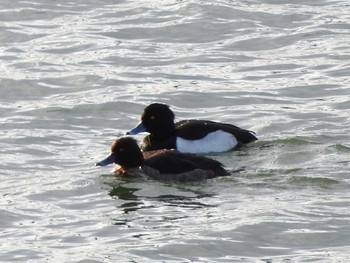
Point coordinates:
pixel 165 131
pixel 134 161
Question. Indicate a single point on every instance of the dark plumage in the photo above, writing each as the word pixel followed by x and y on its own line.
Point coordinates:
pixel 158 120
pixel 168 165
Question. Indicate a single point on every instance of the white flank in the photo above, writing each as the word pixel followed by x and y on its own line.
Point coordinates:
pixel 218 141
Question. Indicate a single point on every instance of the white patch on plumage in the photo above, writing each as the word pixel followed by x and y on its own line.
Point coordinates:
pixel 218 141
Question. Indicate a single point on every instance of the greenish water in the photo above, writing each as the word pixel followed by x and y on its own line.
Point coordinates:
pixel 74 76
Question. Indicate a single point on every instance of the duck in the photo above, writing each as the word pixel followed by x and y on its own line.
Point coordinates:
pixel 189 136
pixel 164 165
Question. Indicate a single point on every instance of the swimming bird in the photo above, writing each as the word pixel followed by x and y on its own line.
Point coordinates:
pixel 166 165
pixel 192 136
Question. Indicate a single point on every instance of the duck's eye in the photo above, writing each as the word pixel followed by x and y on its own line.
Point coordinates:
pixel 152 117
pixel 121 150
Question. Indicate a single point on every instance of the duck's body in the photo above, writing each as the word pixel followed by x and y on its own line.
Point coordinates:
pixel 191 136
pixel 169 165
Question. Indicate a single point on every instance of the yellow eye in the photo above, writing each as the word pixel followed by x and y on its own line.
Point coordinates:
pixel 152 117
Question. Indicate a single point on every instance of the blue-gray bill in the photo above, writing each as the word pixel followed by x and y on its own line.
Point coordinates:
pixel 137 129
pixel 109 160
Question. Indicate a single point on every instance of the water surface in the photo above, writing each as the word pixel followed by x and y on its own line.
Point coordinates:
pixel 76 75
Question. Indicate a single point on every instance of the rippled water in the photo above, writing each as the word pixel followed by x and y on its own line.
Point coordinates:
pixel 77 74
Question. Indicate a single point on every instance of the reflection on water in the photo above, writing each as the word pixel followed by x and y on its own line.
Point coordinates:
pixel 123 192
pixel 181 195
pixel 76 75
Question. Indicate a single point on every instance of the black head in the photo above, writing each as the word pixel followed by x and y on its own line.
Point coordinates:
pixel 158 119
pixel 127 153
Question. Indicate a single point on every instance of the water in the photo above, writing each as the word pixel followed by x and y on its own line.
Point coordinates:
pixel 76 75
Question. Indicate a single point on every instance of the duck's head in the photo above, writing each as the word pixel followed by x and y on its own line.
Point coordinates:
pixel 125 152
pixel 157 119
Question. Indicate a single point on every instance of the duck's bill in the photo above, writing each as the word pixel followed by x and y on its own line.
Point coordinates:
pixel 138 129
pixel 107 161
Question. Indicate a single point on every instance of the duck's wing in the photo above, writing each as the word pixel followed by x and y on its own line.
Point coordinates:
pixel 170 162
pixel 174 162
pixel 191 176
pixel 198 129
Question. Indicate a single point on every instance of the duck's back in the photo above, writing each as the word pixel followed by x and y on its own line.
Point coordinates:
pixel 176 163
pixel 198 129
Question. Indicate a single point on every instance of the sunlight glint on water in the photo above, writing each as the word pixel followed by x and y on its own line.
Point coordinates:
pixel 76 75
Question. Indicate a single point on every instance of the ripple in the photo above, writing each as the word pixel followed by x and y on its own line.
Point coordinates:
pixel 76 75
pixel 317 181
